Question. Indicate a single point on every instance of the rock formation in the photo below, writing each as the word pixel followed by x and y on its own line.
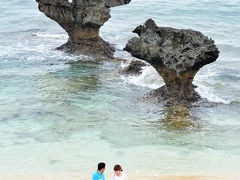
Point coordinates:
pixel 82 19
pixel 176 54
pixel 134 68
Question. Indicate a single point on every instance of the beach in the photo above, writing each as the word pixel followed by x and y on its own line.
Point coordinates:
pixel 70 176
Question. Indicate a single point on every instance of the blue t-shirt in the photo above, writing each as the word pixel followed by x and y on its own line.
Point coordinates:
pixel 98 176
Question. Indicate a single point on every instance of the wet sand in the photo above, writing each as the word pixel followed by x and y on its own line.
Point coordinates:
pixel 66 176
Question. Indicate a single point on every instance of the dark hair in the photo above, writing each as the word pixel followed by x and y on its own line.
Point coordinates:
pixel 117 168
pixel 101 166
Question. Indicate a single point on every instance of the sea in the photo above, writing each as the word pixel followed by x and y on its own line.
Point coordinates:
pixel 66 113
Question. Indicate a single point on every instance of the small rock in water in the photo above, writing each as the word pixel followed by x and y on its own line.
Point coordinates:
pixel 135 67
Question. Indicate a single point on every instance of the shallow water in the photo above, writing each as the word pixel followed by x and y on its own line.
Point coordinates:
pixel 66 113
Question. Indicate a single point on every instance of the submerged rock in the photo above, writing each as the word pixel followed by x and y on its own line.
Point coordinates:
pixel 82 19
pixel 134 68
pixel 177 55
pixel 179 117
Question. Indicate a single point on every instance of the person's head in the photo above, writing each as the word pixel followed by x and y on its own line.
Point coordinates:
pixel 118 170
pixel 101 167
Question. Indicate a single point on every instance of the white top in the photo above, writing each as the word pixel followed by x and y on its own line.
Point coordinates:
pixel 122 177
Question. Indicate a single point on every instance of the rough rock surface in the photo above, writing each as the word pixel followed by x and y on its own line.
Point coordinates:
pixel 82 19
pixel 134 68
pixel 176 54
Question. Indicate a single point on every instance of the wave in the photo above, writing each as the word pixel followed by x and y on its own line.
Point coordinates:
pixel 149 78
pixel 210 95
pixel 47 35
pixel 210 84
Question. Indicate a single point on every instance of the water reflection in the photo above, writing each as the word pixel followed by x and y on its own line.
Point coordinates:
pixel 179 117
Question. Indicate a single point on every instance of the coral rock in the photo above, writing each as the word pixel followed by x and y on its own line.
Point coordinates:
pixel 134 68
pixel 82 19
pixel 176 54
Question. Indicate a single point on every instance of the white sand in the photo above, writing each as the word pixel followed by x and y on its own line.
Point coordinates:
pixel 72 176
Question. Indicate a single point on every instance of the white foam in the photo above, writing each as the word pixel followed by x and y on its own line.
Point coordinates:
pixel 44 35
pixel 208 92
pixel 204 83
pixel 149 78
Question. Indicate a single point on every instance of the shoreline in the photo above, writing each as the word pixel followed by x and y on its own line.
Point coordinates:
pixel 79 176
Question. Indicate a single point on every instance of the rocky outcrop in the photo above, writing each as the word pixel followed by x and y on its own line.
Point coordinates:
pixel 176 54
pixel 82 19
pixel 134 68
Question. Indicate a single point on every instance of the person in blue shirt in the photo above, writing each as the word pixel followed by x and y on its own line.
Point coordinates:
pixel 99 174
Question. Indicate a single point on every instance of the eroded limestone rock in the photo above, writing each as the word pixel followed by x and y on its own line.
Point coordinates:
pixel 134 68
pixel 82 19
pixel 176 54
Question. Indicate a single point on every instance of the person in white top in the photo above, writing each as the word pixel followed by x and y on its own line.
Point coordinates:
pixel 118 174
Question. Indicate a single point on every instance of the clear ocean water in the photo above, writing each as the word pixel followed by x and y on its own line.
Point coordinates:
pixel 63 113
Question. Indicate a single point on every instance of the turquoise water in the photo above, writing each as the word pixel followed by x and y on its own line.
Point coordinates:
pixel 66 113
